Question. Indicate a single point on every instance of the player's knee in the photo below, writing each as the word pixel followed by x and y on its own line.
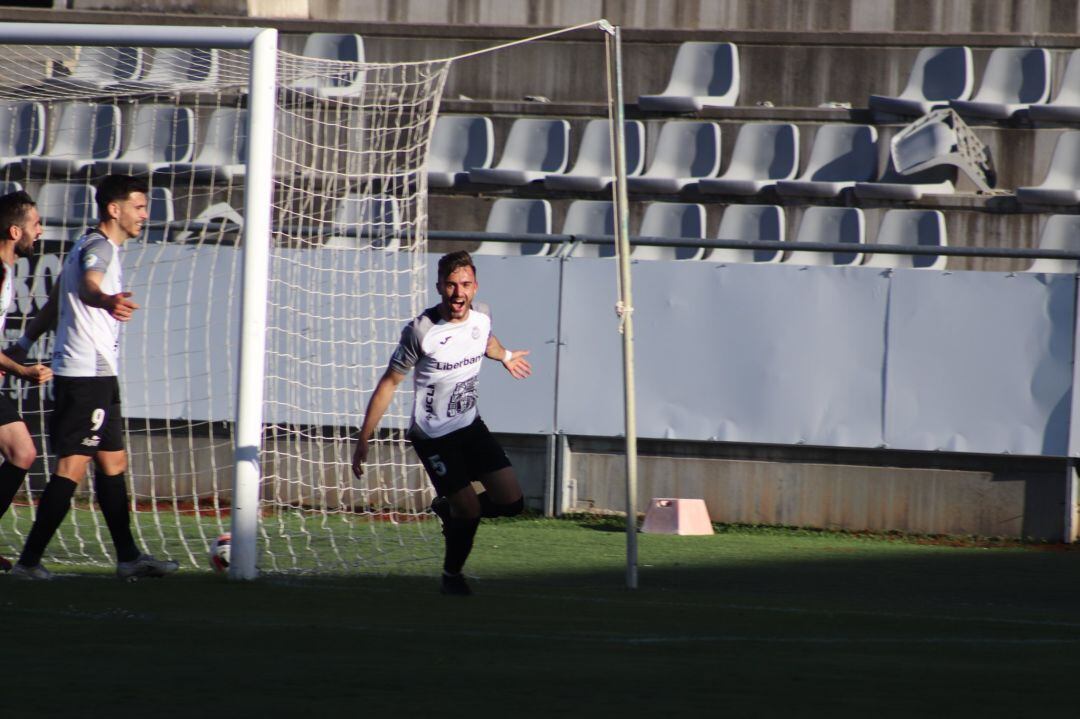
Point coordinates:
pixel 23 455
pixel 513 509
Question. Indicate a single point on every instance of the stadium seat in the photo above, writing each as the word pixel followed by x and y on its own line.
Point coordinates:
pixel 459 143
pixel 592 171
pixel 219 219
pixel 590 217
pixel 675 220
pixel 66 209
pixel 159 136
pixel 841 156
pixel 362 221
pixel 96 68
pixel 22 131
pixel 85 133
pixel 686 152
pixel 1059 232
pixel 910 227
pixel 10 186
pixel 221 155
pixel 1062 183
pixel 173 69
pixel 1015 78
pixel 830 225
pixel 1065 107
pixel 517 217
pixel 892 185
pixel 335 47
pixel 751 223
pixel 534 149
pixel 763 154
pixel 939 74
pixel 161 215
pixel 705 74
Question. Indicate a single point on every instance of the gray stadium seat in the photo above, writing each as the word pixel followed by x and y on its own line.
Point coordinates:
pixel 22 131
pixel 333 47
pixel 534 149
pixel 175 68
pixel 1065 107
pixel 65 209
pixel 590 217
pixel 892 185
pixel 939 74
pixel 705 74
pixel 910 227
pixel 675 220
pixel 686 152
pixel 592 171
pixel 459 143
pixel 1062 183
pixel 518 217
pixel 763 154
pixel 85 133
pixel 99 67
pixel 841 156
pixel 159 135
pixel 222 153
pixel 1015 78
pixel 751 223
pixel 831 225
pixel 1059 232
pixel 362 221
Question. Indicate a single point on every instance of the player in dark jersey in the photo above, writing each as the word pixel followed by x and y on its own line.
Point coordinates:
pixel 444 348
pixel 87 425
pixel 20 228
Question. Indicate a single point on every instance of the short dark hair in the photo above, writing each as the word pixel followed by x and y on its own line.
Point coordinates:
pixel 454 261
pixel 13 208
pixel 115 188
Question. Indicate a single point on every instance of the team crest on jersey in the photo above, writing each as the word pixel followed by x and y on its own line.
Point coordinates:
pixel 476 333
pixel 89 261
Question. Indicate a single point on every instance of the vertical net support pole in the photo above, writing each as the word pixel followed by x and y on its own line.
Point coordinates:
pixel 253 306
pixel 625 306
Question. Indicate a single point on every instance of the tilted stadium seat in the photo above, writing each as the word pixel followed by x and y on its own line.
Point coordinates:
pixel 830 225
pixel 534 149
pixel 939 74
pixel 517 217
pixel 892 185
pixel 705 74
pixel 763 154
pixel 841 156
pixel 1015 78
pixel 459 143
pixel 1062 183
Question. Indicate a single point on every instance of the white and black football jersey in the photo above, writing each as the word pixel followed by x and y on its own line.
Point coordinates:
pixel 88 338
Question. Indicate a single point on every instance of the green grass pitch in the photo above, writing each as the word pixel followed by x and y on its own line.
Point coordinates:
pixel 746 623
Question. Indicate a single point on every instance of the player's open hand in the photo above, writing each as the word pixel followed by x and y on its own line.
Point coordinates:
pixel 37 373
pixel 359 457
pixel 120 307
pixel 517 365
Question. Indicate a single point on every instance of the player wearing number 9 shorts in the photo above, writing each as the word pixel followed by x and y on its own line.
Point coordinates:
pixel 443 348
pixel 87 425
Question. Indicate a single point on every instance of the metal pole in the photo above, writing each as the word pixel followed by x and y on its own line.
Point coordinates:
pixel 626 304
pixel 256 260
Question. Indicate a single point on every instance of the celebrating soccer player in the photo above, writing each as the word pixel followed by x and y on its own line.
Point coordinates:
pixel 86 423
pixel 444 347
pixel 20 228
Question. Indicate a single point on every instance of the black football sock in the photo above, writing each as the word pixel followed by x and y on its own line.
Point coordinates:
pixel 11 478
pixel 459 534
pixel 53 507
pixel 112 497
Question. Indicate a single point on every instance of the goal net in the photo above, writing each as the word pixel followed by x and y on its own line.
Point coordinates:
pixel 347 270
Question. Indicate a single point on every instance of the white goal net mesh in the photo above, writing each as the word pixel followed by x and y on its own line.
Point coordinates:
pixel 348 245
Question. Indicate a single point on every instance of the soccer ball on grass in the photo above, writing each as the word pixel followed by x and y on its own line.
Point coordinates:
pixel 219 553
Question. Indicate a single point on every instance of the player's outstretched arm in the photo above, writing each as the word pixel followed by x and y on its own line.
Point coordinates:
pixel 513 360
pixel 380 400
pixel 119 306
pixel 43 321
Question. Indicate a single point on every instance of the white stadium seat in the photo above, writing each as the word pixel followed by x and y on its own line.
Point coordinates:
pixel 841 156
pixel 705 74
pixel 675 220
pixel 590 217
pixel 939 74
pixel 1059 232
pixel 751 223
pixel 1015 78
pixel 1065 107
pixel 159 136
pixel 830 225
pixel 22 131
pixel 517 217
pixel 85 133
pixel 686 151
pixel 908 228
pixel 221 155
pixel 763 154
pixel 534 149
pixel 1062 183
pixel 459 143
pixel 592 169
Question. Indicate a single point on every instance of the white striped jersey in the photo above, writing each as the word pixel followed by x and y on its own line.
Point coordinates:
pixel 88 338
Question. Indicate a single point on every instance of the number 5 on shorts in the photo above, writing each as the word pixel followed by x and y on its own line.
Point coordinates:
pixel 97 418
pixel 437 465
